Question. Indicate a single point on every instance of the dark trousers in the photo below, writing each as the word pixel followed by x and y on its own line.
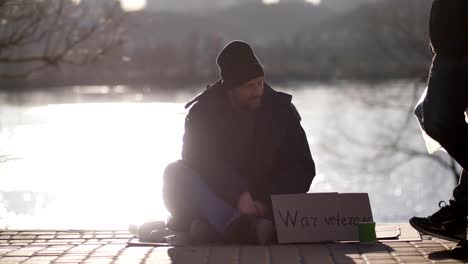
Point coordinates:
pixel 186 195
pixel 460 193
pixel 444 113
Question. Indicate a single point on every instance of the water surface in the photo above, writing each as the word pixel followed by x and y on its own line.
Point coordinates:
pixel 94 158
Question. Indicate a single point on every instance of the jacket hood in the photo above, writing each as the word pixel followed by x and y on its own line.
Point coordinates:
pixel 210 89
pixel 214 90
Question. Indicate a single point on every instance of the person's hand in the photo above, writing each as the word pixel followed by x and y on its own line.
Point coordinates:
pixel 262 209
pixel 246 204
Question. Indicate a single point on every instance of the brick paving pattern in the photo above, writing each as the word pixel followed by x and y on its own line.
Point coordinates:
pixel 101 247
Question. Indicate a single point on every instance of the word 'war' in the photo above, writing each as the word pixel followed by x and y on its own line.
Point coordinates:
pixel 294 219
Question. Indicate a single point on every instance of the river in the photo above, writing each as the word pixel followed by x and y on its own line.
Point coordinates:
pixel 92 157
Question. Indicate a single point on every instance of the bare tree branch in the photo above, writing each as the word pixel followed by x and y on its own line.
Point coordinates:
pixel 35 35
pixel 5 158
pixel 396 30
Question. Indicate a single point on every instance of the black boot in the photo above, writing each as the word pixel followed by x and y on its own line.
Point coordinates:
pixel 201 232
pixel 448 223
pixel 249 229
pixel 144 231
pixel 460 251
pixel 179 223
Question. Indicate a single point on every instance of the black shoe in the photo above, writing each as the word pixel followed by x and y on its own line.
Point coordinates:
pixel 144 231
pixel 460 251
pixel 179 223
pixel 201 232
pixel 250 230
pixel 448 223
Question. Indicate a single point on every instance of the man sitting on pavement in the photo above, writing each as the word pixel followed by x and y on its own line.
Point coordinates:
pixel 243 142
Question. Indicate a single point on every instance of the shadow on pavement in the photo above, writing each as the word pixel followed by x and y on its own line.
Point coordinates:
pixel 342 253
pixel 458 254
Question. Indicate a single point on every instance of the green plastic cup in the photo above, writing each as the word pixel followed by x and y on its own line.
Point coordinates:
pixel 367 232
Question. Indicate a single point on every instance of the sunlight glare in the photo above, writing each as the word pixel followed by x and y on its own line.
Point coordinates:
pixel 101 163
pixel 270 2
pixel 133 5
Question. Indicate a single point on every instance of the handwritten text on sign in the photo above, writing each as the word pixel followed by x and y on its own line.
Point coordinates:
pixel 294 219
pixel 320 216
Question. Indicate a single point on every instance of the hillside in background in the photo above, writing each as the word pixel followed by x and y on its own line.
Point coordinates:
pixel 295 42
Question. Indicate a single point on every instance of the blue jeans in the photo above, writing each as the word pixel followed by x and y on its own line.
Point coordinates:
pixel 443 113
pixel 185 194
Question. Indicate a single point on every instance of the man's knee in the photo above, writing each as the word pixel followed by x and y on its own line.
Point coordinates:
pixel 176 176
pixel 172 172
pixel 179 181
pixel 172 181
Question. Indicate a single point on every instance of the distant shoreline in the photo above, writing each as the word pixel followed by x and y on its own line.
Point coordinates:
pixel 176 84
pixel 145 92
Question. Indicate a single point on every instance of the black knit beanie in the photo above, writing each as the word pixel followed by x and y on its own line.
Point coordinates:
pixel 238 64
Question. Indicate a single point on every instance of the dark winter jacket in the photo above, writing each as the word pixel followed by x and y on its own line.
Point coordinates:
pixel 448 27
pixel 264 152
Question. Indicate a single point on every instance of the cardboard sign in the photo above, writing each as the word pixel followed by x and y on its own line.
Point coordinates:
pixel 316 217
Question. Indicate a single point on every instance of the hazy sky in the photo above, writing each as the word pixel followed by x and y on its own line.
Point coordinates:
pixel 138 4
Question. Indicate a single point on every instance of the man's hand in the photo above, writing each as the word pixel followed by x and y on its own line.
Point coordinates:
pixel 246 204
pixel 262 209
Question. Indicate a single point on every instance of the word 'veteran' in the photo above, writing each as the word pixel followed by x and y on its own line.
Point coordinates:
pixel 294 219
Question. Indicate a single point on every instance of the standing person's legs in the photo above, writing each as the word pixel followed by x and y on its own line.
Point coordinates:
pixel 186 194
pixel 445 105
pixel 460 193
pixel 444 114
pixel 444 120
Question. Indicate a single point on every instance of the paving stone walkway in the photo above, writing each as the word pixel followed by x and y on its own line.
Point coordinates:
pixel 74 246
